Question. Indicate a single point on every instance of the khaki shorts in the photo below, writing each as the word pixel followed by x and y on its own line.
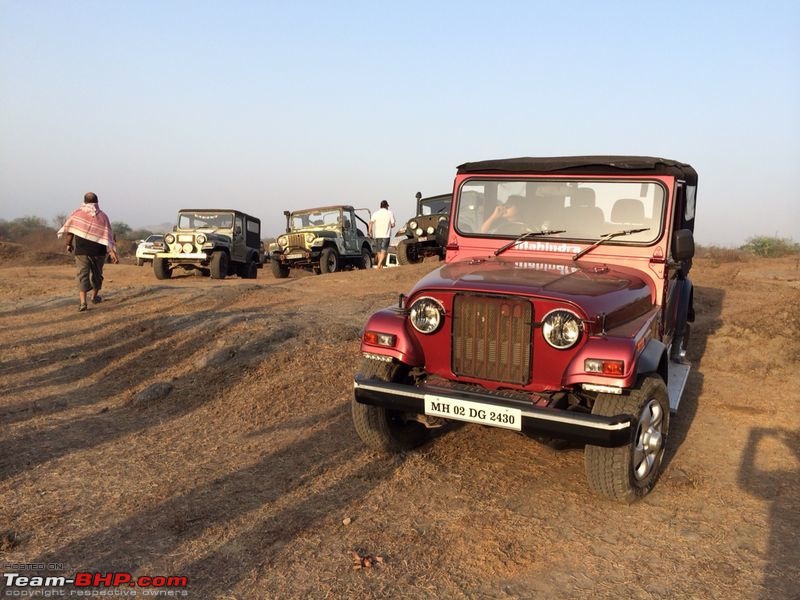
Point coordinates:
pixel 90 272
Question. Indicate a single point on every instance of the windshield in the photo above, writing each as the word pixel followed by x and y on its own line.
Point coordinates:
pixel 435 206
pixel 586 210
pixel 315 218
pixel 205 220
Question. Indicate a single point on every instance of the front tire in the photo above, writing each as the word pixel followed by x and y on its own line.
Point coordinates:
pixel 408 253
pixel 329 260
pixel 629 472
pixel 161 268
pixel 378 427
pixel 219 265
pixel 279 270
pixel 366 259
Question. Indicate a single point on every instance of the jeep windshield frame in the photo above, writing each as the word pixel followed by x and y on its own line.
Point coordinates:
pixel 190 220
pixel 435 205
pixel 316 218
pixel 586 207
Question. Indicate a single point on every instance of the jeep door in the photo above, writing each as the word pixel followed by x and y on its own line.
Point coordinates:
pixel 678 289
pixel 351 243
pixel 239 246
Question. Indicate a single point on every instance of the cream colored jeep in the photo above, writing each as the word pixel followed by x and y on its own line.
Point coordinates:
pixel 217 242
pixel 323 240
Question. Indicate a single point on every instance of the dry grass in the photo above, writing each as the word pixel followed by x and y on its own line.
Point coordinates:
pixel 241 477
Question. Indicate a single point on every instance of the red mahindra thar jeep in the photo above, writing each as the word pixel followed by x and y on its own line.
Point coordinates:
pixel 562 312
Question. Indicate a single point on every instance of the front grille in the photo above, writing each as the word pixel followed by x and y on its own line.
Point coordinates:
pixel 297 240
pixel 492 338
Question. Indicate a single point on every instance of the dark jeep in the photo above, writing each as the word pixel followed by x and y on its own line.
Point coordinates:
pixel 420 232
pixel 561 312
pixel 217 242
pixel 324 240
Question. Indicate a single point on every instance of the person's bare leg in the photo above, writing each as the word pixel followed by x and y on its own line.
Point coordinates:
pixel 381 256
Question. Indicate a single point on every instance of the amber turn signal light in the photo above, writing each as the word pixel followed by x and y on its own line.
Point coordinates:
pixel 380 339
pixel 604 367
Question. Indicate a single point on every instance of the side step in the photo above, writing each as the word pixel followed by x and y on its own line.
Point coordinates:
pixel 678 374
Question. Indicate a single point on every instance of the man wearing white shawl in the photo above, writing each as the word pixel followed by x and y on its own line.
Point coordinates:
pixel 89 235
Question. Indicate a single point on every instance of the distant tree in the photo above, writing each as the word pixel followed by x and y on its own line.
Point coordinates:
pixel 121 230
pixel 139 234
pixel 31 223
pixel 771 247
pixel 59 220
pixel 13 231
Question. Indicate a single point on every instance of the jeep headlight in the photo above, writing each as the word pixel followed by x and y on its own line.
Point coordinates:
pixel 169 238
pixel 562 328
pixel 412 225
pixel 429 230
pixel 426 314
pixel 310 238
pixel 418 231
pixel 283 241
pixel 201 239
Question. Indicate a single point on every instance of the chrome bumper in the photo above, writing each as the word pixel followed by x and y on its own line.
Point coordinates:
pixel 574 426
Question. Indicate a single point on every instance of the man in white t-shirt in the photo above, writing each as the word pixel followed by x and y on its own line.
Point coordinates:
pixel 380 227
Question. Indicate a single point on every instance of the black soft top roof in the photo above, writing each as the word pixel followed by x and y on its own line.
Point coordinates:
pixel 593 165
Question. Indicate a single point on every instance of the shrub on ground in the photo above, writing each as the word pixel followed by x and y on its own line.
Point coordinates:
pixel 720 253
pixel 770 246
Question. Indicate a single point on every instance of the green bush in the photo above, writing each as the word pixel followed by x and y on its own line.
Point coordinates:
pixel 771 247
pixel 35 232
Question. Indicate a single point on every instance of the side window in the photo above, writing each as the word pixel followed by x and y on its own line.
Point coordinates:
pixel 238 226
pixel 691 193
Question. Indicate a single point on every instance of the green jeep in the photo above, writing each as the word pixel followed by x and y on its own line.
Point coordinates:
pixel 422 234
pixel 323 240
pixel 217 242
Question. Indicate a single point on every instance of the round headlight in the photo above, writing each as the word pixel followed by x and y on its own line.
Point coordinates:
pixel 562 328
pixel 426 314
pixel 418 231
pixel 201 239
pixel 169 238
pixel 310 237
pixel 282 241
pixel 412 224
pixel 187 247
pixel 429 230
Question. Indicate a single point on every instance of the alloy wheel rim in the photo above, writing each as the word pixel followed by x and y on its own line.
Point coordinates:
pixel 649 440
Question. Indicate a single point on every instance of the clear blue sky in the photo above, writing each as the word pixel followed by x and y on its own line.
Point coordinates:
pixel 267 106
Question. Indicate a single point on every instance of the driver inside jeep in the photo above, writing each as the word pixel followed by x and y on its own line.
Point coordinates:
pixel 506 218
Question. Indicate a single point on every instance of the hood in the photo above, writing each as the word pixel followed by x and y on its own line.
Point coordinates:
pixel 594 287
pixel 218 236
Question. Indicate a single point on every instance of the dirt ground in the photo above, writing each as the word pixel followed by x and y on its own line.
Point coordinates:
pixel 243 476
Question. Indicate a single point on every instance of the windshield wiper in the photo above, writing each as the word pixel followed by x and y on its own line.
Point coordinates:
pixel 607 236
pixel 525 236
